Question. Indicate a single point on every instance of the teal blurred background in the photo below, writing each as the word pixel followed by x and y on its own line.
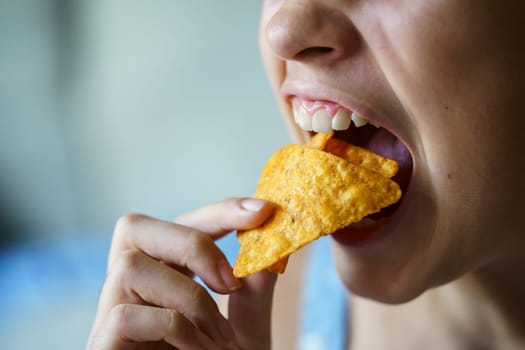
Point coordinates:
pixel 109 107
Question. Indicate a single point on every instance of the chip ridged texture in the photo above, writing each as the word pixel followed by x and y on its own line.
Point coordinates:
pixel 316 193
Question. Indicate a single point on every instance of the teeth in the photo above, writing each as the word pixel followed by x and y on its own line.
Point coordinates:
pixel 358 121
pixel 304 120
pixel 322 122
pixel 342 120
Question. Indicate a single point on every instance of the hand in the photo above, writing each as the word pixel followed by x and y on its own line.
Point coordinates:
pixel 150 300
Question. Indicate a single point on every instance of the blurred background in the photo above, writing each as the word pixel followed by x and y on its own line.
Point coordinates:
pixel 109 107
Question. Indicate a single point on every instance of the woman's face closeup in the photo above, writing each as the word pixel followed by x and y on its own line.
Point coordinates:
pixel 440 84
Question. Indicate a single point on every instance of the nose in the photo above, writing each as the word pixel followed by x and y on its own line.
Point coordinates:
pixel 310 31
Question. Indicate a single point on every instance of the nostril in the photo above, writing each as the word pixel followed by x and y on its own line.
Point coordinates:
pixel 311 52
pixel 311 31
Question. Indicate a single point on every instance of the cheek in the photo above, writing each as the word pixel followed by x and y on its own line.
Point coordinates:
pixel 459 79
pixel 438 60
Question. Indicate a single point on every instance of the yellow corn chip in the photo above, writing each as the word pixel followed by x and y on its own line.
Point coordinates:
pixel 316 193
pixel 354 154
pixel 319 140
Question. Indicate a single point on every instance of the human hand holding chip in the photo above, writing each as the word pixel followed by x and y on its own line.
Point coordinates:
pixel 318 189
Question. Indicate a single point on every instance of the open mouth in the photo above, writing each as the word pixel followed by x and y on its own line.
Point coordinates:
pixel 324 116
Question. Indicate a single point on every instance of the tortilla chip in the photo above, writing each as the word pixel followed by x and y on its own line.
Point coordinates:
pixel 319 140
pixel 316 193
pixel 355 155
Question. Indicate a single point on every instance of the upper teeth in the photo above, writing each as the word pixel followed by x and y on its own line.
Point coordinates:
pixel 303 119
pixel 358 120
pixel 321 121
pixel 341 120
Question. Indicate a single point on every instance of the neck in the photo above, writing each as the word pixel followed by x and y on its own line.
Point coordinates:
pixel 503 285
pixel 485 309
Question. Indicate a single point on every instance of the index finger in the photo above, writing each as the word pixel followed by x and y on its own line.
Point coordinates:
pixel 189 242
pixel 219 218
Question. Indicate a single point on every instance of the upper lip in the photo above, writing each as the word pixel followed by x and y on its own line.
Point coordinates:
pixel 323 93
pixel 346 99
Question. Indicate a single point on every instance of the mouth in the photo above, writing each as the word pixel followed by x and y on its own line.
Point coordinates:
pixel 325 116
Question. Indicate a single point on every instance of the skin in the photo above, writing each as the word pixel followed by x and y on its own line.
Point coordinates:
pixel 435 73
pixel 439 89
pixel 446 77
pixel 149 300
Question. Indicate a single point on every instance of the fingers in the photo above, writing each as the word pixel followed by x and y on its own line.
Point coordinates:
pixel 149 282
pixel 249 311
pixel 189 243
pixel 139 279
pixel 175 245
pixel 131 324
pixel 232 214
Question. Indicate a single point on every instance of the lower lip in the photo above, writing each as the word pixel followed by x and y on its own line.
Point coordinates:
pixel 356 236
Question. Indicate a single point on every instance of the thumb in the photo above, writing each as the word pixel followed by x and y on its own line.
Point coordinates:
pixel 250 311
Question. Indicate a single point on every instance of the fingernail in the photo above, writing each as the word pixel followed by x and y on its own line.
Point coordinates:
pixel 252 204
pixel 229 280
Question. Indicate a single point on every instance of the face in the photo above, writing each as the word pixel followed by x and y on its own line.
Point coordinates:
pixel 443 80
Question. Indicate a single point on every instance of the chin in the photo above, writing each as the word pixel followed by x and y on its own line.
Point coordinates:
pixel 389 256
